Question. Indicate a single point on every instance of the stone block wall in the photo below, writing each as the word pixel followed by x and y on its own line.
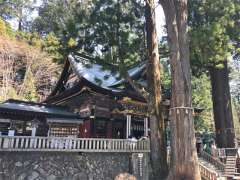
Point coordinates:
pixel 62 165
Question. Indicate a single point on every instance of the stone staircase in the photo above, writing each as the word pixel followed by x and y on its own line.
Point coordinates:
pixel 213 168
pixel 230 167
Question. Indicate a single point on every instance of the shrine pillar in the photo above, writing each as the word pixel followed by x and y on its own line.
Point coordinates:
pixel 128 128
pixel 146 127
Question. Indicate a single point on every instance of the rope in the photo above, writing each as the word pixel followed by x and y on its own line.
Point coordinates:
pixel 181 107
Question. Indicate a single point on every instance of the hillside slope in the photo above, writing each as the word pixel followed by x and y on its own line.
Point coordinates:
pixel 26 72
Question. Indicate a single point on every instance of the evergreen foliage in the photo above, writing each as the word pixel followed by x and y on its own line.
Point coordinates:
pixel 29 86
pixel 201 97
pixel 51 44
pixel 214 32
pixel 65 22
pixel 111 30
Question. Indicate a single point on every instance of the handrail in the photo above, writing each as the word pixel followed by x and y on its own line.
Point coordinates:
pixel 213 160
pixel 71 144
pixel 207 173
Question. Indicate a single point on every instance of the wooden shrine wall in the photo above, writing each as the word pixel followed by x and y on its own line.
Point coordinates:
pixel 87 104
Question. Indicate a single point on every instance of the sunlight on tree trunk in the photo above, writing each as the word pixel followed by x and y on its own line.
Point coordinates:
pixel 158 134
pixel 184 161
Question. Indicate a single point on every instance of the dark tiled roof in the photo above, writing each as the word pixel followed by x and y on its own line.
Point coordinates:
pixel 38 108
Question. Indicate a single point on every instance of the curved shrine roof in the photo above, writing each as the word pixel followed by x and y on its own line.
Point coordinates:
pixel 100 75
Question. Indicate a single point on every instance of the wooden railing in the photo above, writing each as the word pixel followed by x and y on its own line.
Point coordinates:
pixel 207 173
pixel 213 160
pixel 211 173
pixel 28 143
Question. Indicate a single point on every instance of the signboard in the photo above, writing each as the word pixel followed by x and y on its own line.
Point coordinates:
pixel 221 153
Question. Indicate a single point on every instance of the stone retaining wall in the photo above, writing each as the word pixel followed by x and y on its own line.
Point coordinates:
pixel 62 166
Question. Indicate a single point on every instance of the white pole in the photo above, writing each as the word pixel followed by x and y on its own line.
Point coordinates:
pixel 127 128
pixel 33 131
pixel 129 116
pixel 146 126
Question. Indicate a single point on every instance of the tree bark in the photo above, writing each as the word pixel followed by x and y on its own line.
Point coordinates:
pixel 225 135
pixel 157 126
pixel 184 161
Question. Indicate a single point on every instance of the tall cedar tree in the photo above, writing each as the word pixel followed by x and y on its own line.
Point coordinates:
pixel 222 107
pixel 215 36
pixel 158 136
pixel 184 162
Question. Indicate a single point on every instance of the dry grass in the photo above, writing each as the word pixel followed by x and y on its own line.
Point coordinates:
pixel 17 55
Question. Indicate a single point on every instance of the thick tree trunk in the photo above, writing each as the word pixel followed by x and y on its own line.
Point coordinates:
pixel 225 135
pixel 184 162
pixel 158 135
